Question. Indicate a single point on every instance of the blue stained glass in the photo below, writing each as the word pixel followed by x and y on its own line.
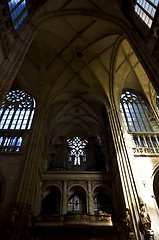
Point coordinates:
pixel 1 140
pixel 154 142
pixel 136 142
pixel 21 20
pixel 13 3
pixel 16 7
pixel 18 10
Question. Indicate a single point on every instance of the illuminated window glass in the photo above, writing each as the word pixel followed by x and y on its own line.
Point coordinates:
pixel 146 10
pixel 18 10
pixel 17 111
pixel 157 102
pixel 77 150
pixel 135 113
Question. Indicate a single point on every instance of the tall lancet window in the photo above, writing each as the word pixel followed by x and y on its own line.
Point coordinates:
pixel 135 113
pixel 146 9
pixel 16 115
pixel 18 10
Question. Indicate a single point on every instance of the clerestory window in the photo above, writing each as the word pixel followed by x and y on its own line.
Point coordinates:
pixel 16 115
pixel 135 113
pixel 17 111
pixel 18 10
pixel 146 9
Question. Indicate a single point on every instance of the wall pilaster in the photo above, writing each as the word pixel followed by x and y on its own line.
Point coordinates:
pixel 127 180
pixel 10 67
pixel 27 185
pixel 64 198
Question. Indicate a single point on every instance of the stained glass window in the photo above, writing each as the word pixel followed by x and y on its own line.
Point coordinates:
pixel 146 10
pixel 77 150
pixel 18 10
pixel 135 113
pixel 16 113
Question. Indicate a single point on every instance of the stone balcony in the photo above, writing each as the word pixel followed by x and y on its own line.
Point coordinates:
pixel 74 220
pixel 145 143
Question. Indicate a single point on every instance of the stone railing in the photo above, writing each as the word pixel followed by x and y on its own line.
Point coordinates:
pixel 12 140
pixel 146 143
pixel 75 219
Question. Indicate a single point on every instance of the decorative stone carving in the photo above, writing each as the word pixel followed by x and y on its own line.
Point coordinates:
pixel 145 223
pixel 13 216
pixel 30 218
pixel 104 217
pixel 129 225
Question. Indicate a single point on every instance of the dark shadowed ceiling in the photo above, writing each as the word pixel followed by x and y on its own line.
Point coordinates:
pixel 68 68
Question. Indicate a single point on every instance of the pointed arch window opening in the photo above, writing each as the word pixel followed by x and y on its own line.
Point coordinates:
pixel 76 203
pixel 77 150
pixel 140 122
pixel 135 113
pixel 146 9
pixel 16 115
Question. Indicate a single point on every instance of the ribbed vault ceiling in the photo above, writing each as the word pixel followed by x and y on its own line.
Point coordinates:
pixel 67 68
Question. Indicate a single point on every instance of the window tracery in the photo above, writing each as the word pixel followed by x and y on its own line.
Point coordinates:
pixel 135 113
pixel 146 9
pixel 16 114
pixel 77 150
pixel 17 111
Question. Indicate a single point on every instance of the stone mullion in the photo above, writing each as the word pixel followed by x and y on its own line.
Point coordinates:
pixel 155 136
pixel 139 141
pixel 43 117
pixel 10 67
pixel 90 199
pixel 150 139
pixel 125 171
pixel 30 173
pixel 146 144
pixel 64 198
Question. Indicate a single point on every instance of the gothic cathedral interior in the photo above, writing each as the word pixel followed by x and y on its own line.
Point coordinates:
pixel 79 119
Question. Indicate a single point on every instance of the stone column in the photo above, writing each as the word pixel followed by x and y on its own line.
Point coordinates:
pixel 64 198
pixel 90 199
pixel 125 170
pixel 29 178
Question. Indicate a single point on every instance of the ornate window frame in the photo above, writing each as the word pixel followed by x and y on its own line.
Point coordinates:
pixel 16 116
pixel 135 112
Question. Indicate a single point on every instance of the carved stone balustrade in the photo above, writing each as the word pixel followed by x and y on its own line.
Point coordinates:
pixel 74 219
pixel 145 143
